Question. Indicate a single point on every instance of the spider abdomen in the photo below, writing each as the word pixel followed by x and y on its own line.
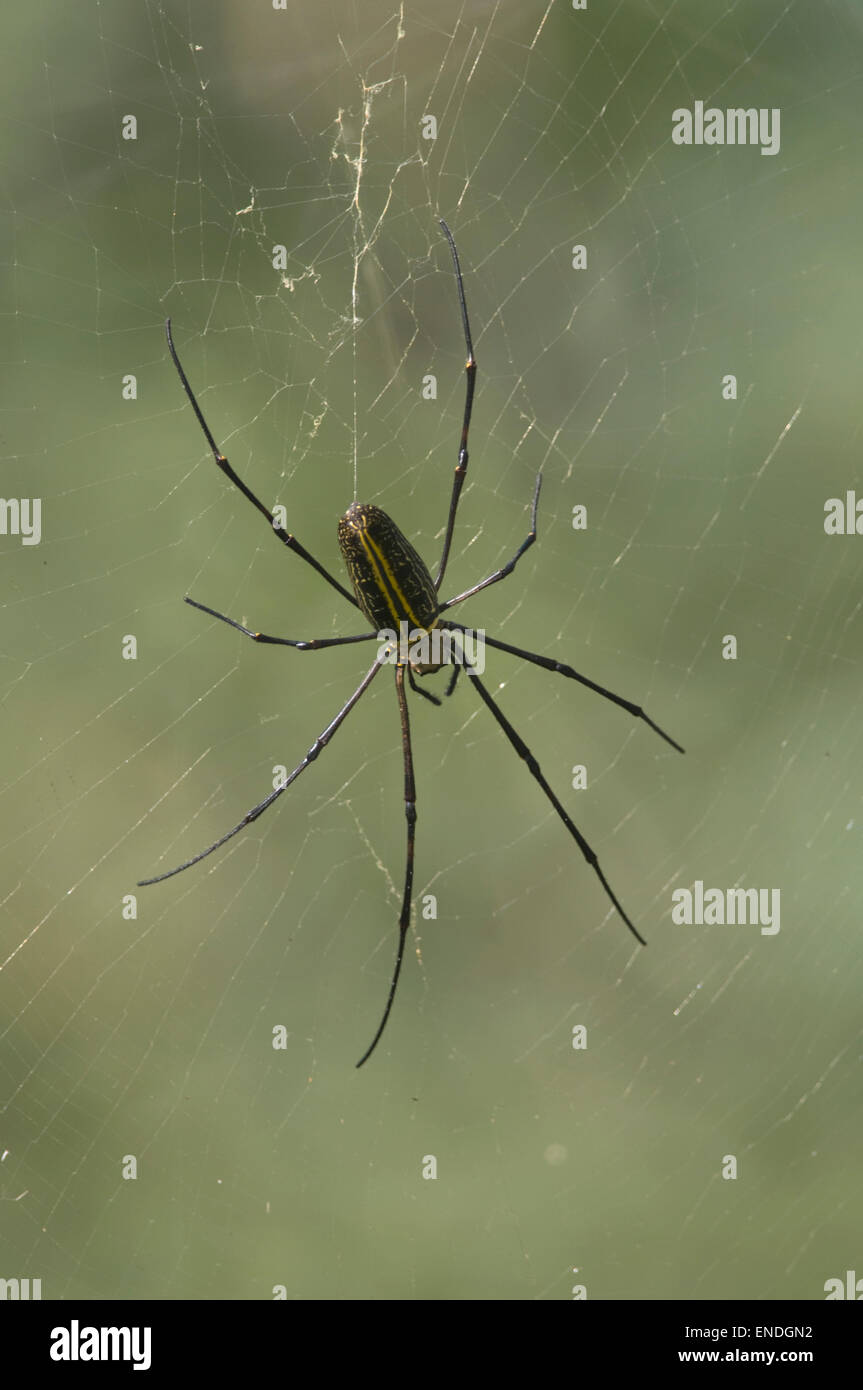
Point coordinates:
pixel 391 581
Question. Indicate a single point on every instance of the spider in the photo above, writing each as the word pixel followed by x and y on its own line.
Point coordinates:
pixel 393 586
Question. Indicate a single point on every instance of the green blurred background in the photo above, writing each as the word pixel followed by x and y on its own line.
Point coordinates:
pixel 152 1036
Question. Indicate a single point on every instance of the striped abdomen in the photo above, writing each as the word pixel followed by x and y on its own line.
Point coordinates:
pixel 390 580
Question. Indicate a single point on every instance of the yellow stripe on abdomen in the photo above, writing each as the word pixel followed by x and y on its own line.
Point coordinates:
pixel 381 566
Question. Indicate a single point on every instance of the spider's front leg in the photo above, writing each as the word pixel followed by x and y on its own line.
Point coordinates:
pixel 317 747
pixel 410 796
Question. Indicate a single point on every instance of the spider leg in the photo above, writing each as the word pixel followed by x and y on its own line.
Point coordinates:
pixel 313 644
pixel 319 744
pixel 435 699
pixel 411 819
pixel 510 565
pixel 285 536
pixel 524 752
pixel 470 369
pixel 418 689
pixel 549 664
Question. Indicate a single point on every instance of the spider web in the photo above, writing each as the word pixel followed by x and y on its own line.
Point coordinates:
pixel 152 1036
